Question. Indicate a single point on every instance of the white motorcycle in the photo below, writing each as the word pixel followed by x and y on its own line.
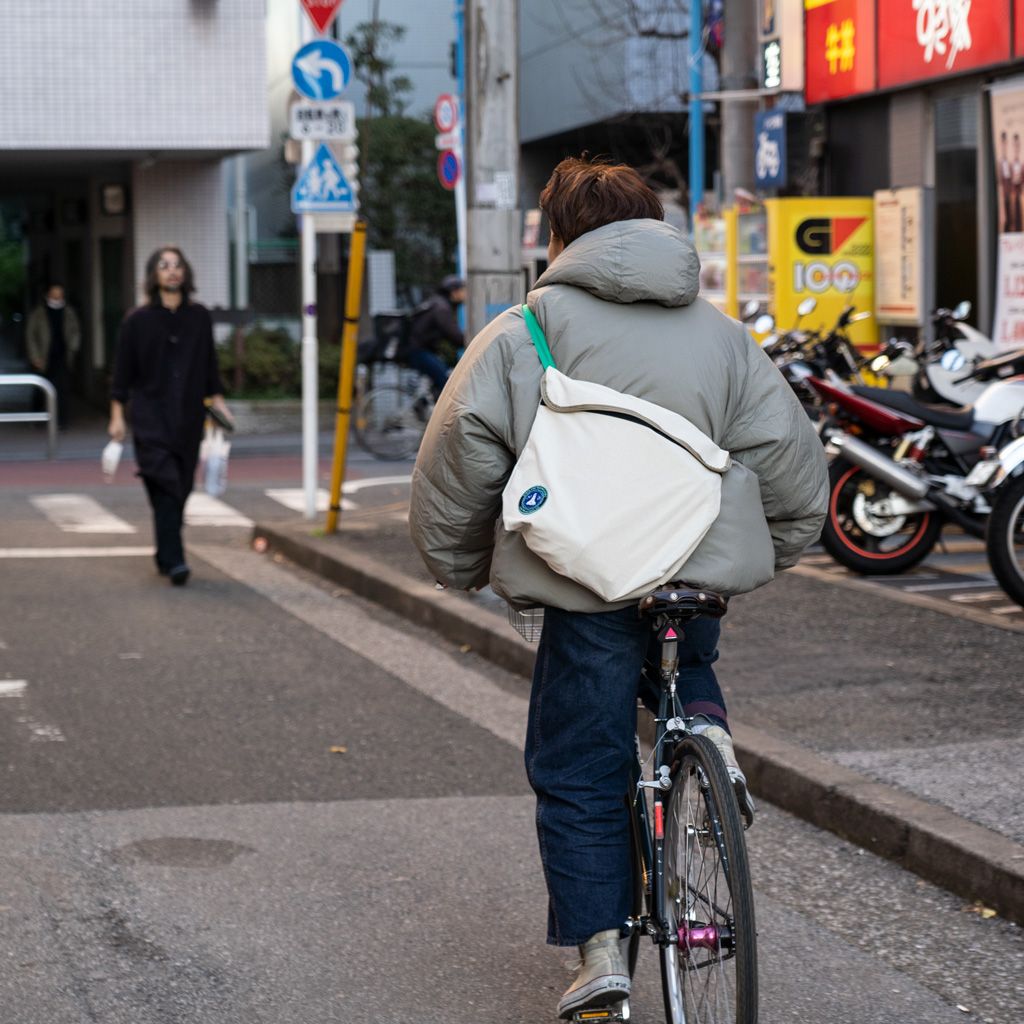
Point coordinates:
pixel 903 468
pixel 941 371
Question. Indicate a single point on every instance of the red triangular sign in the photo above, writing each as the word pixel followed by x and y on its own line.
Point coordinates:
pixel 842 229
pixel 321 12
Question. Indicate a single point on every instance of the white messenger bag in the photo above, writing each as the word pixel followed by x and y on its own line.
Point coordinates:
pixel 611 491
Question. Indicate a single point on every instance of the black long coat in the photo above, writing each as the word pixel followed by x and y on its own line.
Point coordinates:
pixel 166 364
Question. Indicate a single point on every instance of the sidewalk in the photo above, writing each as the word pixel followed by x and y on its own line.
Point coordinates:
pixel 26 442
pixel 899 728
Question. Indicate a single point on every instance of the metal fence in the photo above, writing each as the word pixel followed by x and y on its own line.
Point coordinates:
pixel 49 417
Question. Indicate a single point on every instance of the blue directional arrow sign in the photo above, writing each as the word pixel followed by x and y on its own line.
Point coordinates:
pixel 321 70
pixel 322 186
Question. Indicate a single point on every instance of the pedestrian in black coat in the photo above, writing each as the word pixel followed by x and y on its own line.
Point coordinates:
pixel 165 368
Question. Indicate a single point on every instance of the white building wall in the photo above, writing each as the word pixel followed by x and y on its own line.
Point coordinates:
pixel 133 74
pixel 182 203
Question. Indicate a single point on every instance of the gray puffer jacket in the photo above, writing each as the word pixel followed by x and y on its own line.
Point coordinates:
pixel 619 307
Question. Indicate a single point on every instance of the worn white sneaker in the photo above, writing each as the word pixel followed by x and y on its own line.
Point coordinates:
pixel 700 725
pixel 603 977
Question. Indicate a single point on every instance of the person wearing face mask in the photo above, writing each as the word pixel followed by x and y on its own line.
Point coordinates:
pixel 52 338
pixel 164 371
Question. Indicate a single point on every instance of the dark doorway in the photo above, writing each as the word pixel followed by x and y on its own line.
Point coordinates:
pixel 956 211
pixel 13 284
pixel 113 302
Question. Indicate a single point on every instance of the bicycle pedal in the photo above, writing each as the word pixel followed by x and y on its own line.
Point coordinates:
pixel 615 1014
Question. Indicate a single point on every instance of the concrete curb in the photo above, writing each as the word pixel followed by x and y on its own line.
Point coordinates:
pixel 928 839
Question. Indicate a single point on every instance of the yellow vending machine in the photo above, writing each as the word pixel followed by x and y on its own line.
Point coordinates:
pixel 823 247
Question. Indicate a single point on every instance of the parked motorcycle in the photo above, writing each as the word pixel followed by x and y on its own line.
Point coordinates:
pixel 1004 539
pixel 903 468
pixel 940 370
pixel 801 355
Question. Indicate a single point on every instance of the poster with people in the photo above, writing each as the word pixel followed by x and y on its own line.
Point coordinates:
pixel 1008 163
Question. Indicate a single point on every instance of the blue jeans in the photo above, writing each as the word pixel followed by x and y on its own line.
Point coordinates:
pixel 432 366
pixel 580 751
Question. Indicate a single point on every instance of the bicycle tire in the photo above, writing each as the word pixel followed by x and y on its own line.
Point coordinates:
pixel 710 976
pixel 388 423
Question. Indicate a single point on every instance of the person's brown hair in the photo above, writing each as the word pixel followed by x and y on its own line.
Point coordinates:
pixel 152 287
pixel 583 194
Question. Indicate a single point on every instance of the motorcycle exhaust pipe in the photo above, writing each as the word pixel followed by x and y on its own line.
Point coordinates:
pixel 901 480
pixel 880 466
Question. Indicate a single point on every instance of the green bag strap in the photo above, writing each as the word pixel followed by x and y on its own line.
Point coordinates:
pixel 540 343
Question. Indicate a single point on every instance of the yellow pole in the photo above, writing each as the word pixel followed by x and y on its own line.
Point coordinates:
pixel 347 371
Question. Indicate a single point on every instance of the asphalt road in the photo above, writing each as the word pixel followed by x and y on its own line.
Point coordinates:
pixel 258 799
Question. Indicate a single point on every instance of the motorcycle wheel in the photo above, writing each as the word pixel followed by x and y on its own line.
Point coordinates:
pixel 856 536
pixel 1004 539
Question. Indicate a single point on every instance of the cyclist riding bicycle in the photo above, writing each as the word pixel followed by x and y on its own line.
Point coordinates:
pixel 618 305
pixel 433 322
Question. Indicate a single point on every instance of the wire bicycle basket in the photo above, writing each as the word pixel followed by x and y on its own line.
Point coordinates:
pixel 528 623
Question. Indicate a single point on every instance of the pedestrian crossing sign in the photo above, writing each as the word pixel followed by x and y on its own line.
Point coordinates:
pixel 322 186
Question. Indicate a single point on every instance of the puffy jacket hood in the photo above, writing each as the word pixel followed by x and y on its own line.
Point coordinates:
pixel 630 261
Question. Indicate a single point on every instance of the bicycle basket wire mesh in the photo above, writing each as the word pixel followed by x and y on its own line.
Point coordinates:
pixel 528 623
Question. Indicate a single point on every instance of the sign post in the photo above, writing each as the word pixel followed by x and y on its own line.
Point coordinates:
pixel 448 122
pixel 321 71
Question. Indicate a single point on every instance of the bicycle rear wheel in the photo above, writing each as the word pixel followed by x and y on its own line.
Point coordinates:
pixel 710 976
pixel 390 421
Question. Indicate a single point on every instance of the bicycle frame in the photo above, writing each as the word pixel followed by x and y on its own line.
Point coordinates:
pixel 649 842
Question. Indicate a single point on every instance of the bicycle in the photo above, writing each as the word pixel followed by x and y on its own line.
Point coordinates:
pixel 391 416
pixel 692 891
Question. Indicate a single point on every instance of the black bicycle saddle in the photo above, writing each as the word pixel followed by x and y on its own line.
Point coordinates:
pixel 682 604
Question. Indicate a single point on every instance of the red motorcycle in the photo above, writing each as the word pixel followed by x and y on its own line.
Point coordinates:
pixel 903 468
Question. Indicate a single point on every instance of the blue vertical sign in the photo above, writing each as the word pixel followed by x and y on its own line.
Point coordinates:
pixel 770 149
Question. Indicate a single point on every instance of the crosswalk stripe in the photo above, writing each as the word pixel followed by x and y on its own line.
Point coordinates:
pixel 295 499
pixel 78 513
pixel 203 509
pixel 96 552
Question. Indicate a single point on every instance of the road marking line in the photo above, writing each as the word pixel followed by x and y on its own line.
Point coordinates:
pixel 16 689
pixel 354 486
pixel 994 595
pixel 396 649
pixel 74 552
pixel 78 513
pixel 203 509
pixel 295 499
pixel 1007 609
pixel 958 585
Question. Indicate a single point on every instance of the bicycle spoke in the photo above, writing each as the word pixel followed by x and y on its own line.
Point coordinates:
pixel 710 975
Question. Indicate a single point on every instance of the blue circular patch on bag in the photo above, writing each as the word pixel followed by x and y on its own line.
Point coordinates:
pixel 532 500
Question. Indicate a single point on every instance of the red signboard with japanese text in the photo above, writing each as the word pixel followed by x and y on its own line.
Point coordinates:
pixel 920 39
pixel 840 42
pixel 1018 23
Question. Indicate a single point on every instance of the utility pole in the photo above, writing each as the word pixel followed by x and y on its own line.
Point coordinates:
pixel 494 222
pixel 310 393
pixel 696 55
pixel 739 73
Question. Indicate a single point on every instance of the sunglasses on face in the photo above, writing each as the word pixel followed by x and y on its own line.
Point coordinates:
pixel 169 265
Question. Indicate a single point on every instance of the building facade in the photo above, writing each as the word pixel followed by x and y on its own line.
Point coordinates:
pixel 907 92
pixel 116 122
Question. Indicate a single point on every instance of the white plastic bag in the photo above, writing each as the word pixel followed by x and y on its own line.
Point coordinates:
pixel 214 452
pixel 109 459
